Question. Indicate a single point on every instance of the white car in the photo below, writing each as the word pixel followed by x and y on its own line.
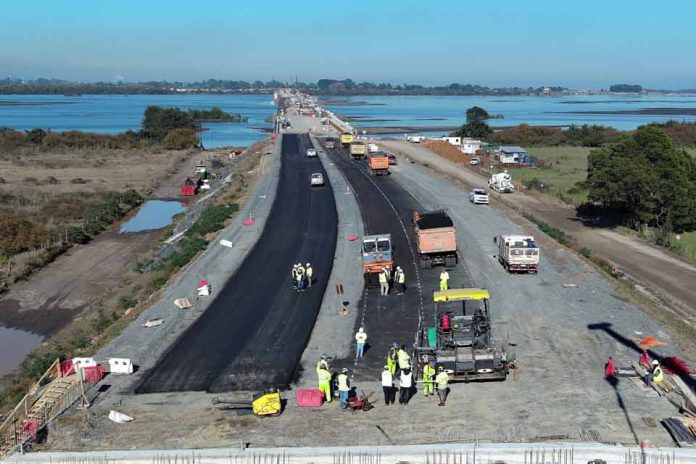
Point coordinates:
pixel 317 179
pixel 478 196
pixel 311 153
pixel 475 161
pixel 415 138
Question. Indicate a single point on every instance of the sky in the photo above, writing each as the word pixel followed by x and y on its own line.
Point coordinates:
pixel 589 43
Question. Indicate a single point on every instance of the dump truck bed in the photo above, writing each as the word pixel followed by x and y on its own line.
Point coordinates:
pixel 378 162
pixel 436 232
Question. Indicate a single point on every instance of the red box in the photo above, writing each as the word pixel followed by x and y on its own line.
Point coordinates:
pixel 309 398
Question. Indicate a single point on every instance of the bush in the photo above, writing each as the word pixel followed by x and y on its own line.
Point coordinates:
pixel 536 184
pixel 125 302
pixel 179 139
pixel 18 234
pixel 586 252
pixel 212 219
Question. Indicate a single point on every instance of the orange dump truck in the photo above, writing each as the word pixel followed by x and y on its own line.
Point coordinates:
pixel 378 164
pixel 437 238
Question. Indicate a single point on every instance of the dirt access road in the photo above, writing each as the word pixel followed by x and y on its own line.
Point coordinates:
pixel 668 276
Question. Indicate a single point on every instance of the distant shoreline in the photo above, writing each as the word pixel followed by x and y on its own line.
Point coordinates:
pixel 34 103
pixel 643 111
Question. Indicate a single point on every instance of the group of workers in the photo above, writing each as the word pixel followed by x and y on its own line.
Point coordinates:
pixel 386 279
pixel 653 374
pixel 301 276
pixel 326 379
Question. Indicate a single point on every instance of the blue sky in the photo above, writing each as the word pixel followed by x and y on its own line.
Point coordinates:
pixel 585 43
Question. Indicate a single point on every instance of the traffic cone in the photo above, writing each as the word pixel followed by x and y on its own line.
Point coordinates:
pixel 249 221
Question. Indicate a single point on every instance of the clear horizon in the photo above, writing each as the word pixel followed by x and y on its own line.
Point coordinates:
pixel 496 44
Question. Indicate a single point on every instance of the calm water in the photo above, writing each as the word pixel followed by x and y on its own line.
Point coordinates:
pixel 14 346
pixel 110 114
pixel 152 215
pixel 414 111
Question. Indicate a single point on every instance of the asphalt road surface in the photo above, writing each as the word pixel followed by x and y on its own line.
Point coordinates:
pixel 387 207
pixel 253 334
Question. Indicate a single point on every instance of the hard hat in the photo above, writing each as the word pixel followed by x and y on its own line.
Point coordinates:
pixel 307 264
pixel 655 362
pixel 398 268
pixel 344 370
pixel 386 368
pixel 361 329
pixel 441 368
pixel 395 344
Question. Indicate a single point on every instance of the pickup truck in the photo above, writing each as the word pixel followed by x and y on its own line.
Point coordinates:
pixel 437 238
pixel 358 150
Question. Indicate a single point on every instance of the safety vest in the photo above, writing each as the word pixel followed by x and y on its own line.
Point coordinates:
pixel 360 337
pixel 657 375
pixel 309 271
pixel 382 278
pixel 343 383
pixel 404 358
pixel 324 376
pixel 442 380
pixel 428 373
pixel 300 271
pixel 400 277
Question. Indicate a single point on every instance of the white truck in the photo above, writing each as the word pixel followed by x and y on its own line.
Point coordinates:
pixel 414 138
pixel 518 253
pixel 501 182
pixel 372 148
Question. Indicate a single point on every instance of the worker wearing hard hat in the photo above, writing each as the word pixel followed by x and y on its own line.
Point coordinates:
pixel 293 273
pixel 429 379
pixel 324 379
pixel 400 279
pixel 343 387
pixel 360 339
pixel 309 272
pixel 388 386
pixel 393 357
pixel 444 280
pixel 384 282
pixel 403 358
pixel 442 380
pixel 300 276
pixel 655 374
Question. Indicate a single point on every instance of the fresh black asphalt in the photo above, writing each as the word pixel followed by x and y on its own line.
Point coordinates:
pixel 387 207
pixel 252 335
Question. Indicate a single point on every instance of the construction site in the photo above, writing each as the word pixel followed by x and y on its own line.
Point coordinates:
pixel 543 359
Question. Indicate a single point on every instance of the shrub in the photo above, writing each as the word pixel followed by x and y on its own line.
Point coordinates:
pixel 18 234
pixel 179 139
pixel 586 252
pixel 126 302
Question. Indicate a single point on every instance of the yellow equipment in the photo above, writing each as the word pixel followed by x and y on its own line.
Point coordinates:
pixel 268 404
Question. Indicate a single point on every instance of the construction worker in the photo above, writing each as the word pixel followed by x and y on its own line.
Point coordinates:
pixel 300 276
pixel 388 386
pixel 405 386
pixel 323 362
pixel 393 358
pixel 309 272
pixel 444 280
pixel 442 380
pixel 384 282
pixel 293 273
pixel 429 379
pixel 654 375
pixel 343 388
pixel 403 358
pixel 324 378
pixel 360 339
pixel 400 279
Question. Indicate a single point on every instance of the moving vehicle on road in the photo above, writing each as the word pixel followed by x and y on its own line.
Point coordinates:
pixel 311 153
pixel 358 150
pixel 376 254
pixel 437 238
pixel 415 138
pixel 393 160
pixel 378 164
pixel 317 179
pixel 372 148
pixel 501 182
pixel 478 196
pixel 518 253
pixel 347 138
pixel 461 339
pixel 330 143
pixel 475 161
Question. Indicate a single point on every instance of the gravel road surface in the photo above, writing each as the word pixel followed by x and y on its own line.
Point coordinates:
pixel 252 335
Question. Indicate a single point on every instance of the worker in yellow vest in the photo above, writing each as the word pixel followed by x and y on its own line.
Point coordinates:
pixel 392 358
pixel 324 377
pixel 442 381
pixel 428 379
pixel 655 374
pixel 444 280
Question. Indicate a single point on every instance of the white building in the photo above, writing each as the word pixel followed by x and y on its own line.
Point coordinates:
pixel 456 141
pixel 470 146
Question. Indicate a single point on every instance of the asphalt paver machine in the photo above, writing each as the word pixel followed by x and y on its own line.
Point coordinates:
pixel 461 338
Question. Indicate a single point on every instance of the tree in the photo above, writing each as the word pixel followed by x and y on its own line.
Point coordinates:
pixel 179 139
pixel 647 179
pixel 476 129
pixel 476 113
pixel 157 122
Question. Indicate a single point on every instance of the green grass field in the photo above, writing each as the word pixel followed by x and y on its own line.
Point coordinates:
pixel 687 245
pixel 562 168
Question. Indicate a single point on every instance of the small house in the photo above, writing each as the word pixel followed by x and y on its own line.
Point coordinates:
pixel 456 141
pixel 512 154
pixel 470 146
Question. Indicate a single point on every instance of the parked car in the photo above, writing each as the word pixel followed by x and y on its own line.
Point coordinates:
pixel 392 159
pixel 478 196
pixel 317 179
pixel 311 153
pixel 475 161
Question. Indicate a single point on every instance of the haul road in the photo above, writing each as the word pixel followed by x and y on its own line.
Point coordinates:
pixel 253 334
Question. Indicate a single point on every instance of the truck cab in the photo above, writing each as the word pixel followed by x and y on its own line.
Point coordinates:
pixel 518 253
pixel 376 254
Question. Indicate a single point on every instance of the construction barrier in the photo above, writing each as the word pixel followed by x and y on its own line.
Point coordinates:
pixel 120 366
pixel 81 363
pixel 309 398
pixel 93 374
pixel 67 368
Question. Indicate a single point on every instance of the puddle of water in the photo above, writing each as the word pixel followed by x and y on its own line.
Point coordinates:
pixel 15 345
pixel 153 214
